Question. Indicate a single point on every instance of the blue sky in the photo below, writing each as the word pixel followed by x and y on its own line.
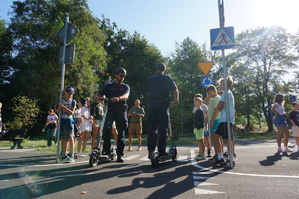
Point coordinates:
pixel 164 22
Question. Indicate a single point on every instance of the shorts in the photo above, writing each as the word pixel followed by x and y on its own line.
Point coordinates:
pixel 295 131
pixel 66 132
pixel 206 133
pixel 135 127
pixel 280 120
pixel 198 133
pixel 223 132
pixel 215 126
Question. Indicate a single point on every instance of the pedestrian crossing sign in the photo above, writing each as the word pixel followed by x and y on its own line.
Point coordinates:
pixel 222 38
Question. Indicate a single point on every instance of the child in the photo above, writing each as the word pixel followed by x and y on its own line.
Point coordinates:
pixel 51 123
pixel 206 131
pixel 212 101
pixel 85 126
pixel 280 122
pixel 294 119
pixel 198 124
pixel 222 130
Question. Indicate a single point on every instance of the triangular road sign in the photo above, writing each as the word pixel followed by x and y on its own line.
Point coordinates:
pixel 205 67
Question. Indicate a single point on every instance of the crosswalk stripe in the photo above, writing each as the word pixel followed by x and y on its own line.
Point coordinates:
pixel 202 173
pixel 204 191
pixel 182 158
pixel 131 157
pixel 144 158
pixel 201 183
pixel 201 178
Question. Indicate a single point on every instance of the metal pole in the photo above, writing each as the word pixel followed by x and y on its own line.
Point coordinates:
pixel 229 144
pixel 62 85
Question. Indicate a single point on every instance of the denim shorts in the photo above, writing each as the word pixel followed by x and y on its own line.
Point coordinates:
pixel 280 120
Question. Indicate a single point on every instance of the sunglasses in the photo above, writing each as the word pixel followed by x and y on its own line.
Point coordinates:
pixel 122 76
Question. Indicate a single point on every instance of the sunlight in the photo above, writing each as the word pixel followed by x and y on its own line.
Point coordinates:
pixel 277 12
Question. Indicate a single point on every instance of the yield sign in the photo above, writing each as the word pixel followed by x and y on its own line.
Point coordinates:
pixel 205 67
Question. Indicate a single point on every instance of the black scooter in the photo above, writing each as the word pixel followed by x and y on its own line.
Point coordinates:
pixel 155 157
pixel 96 155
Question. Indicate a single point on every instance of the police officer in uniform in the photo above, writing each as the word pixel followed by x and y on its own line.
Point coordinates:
pixel 159 87
pixel 118 93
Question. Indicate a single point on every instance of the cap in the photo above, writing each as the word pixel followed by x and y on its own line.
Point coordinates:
pixel 70 89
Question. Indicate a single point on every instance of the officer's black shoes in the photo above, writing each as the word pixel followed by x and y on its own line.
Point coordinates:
pixel 120 159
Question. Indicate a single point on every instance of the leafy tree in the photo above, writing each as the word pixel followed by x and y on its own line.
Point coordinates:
pixel 25 112
pixel 184 70
pixel 34 27
pixel 266 53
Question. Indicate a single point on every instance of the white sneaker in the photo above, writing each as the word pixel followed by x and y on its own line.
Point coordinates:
pixel 70 160
pixel 80 155
pixel 84 154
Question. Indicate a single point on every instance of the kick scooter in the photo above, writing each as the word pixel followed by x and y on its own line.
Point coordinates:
pixel 96 155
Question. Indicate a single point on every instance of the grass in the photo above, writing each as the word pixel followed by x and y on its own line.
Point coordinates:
pixel 185 139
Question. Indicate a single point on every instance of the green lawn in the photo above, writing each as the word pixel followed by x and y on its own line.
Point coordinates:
pixel 186 139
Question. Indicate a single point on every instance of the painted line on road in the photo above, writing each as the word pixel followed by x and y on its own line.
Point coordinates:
pixel 42 165
pixel 4 180
pixel 195 164
pixel 130 165
pixel 131 157
pixel 80 174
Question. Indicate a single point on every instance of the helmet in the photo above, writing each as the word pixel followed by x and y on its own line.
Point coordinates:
pixel 69 89
pixel 120 70
pixel 160 66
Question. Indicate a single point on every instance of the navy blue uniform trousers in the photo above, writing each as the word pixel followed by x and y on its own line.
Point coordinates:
pixel 121 121
pixel 158 119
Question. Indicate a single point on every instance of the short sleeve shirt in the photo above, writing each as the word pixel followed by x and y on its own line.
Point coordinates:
pixel 231 104
pixel 113 90
pixel 159 86
pixel 294 115
pixel 280 109
pixel 70 105
pixel 212 105
pixel 136 119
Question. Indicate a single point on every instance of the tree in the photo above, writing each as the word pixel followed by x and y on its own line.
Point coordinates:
pixel 266 53
pixel 34 27
pixel 184 70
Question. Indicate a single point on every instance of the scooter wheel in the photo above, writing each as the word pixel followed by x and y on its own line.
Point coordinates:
pixel 155 159
pixel 94 158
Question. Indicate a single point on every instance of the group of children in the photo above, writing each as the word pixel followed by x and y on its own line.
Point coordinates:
pixel 215 118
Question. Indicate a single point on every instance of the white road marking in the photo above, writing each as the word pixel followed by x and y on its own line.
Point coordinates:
pixel 194 163
pixel 131 157
pixel 130 165
pixel 204 191
pixel 201 178
pixel 144 158
pixel 80 174
pixel 182 158
pixel 4 180
pixel 201 183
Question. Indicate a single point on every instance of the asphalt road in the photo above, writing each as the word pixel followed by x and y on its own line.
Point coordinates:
pixel 260 172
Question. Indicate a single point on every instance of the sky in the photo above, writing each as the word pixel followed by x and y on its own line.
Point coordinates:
pixel 165 22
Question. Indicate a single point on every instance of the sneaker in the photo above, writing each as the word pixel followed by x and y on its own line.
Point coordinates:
pixel 80 155
pixel 279 150
pixel 84 154
pixel 70 160
pixel 130 148
pixel 214 158
pixel 209 153
pixel 286 150
pixel 120 159
pixel 139 149
pixel 221 161
pixel 200 157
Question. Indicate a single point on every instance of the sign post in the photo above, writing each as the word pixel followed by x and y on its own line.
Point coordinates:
pixel 223 38
pixel 66 34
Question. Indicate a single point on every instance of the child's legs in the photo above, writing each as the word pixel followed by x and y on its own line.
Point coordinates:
pixel 207 142
pixel 95 131
pixel 218 144
pixel 85 139
pixel 297 140
pixel 80 141
pixel 71 141
pixel 201 146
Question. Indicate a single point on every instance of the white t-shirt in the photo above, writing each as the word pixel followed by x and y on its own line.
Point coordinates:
pixel 52 119
pixel 86 124
pixel 280 109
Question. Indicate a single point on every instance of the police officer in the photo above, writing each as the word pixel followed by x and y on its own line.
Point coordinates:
pixel 159 87
pixel 118 93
